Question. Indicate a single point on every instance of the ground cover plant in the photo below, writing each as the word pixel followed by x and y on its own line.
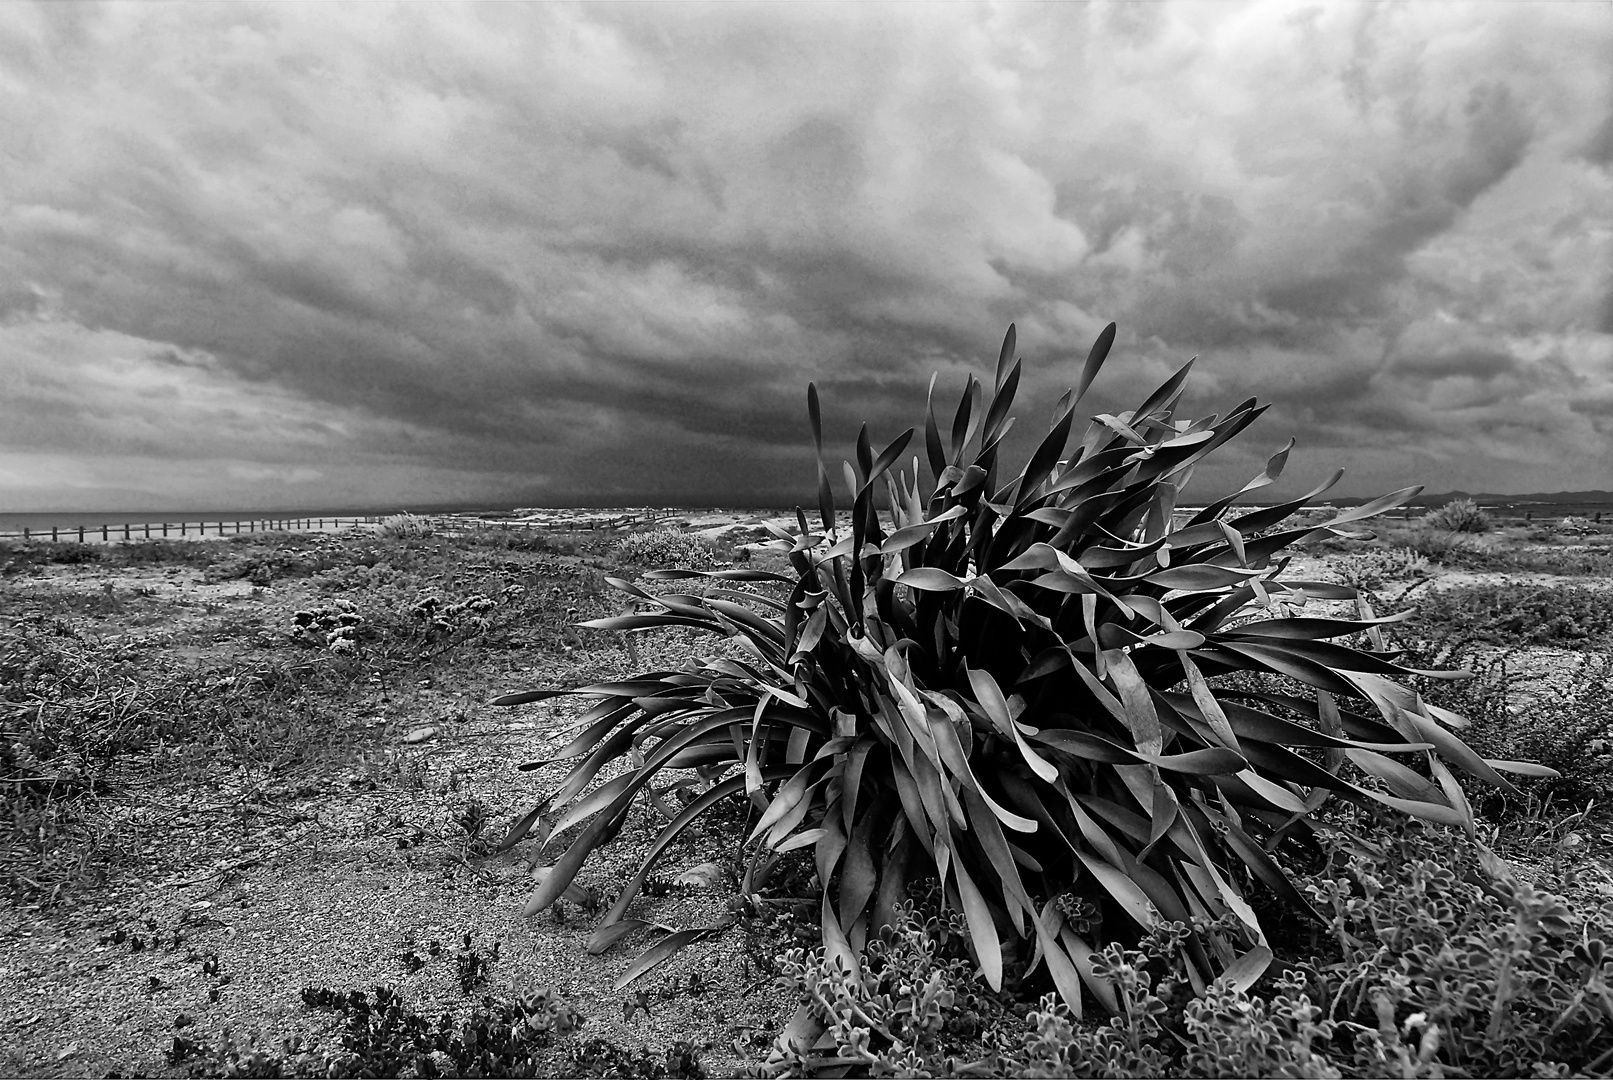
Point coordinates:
pixel 1428 966
pixel 1542 658
pixel 1517 614
pixel 1515 547
pixel 1369 569
pixel 1010 682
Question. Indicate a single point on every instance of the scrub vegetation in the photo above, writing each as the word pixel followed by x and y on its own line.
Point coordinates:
pixel 1039 768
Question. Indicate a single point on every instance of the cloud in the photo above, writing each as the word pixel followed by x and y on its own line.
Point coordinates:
pixel 596 252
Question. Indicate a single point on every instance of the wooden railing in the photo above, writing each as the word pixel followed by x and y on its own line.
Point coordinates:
pixel 152 530
pixel 155 530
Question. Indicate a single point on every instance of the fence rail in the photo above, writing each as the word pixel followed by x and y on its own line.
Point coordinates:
pixel 154 530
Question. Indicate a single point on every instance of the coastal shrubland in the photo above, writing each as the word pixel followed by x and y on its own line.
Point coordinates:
pixel 1269 844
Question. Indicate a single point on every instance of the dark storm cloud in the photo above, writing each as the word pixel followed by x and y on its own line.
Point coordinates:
pixel 598 251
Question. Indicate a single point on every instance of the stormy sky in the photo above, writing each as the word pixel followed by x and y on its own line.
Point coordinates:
pixel 288 255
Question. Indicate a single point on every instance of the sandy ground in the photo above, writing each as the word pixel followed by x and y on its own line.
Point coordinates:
pixel 326 877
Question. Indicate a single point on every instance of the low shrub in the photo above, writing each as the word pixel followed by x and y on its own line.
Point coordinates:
pixel 336 626
pixel 1563 720
pixel 1459 515
pixel 1433 964
pixel 600 1057
pixel 1576 561
pixel 147 552
pixel 17 556
pixel 1489 975
pixel 916 1007
pixel 1454 549
pixel 1371 568
pixel 265 567
pixel 667 548
pixel 383 1036
pixel 1509 613
pixel 545 541
pixel 405 527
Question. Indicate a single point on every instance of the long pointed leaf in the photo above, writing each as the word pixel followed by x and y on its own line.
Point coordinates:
pixel 664 950
pixel 1005 355
pixel 1095 358
pixel 982 929
pixel 932 434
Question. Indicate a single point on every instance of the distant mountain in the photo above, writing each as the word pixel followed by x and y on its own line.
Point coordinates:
pixel 1552 498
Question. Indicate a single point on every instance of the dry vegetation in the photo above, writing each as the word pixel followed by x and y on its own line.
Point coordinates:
pixel 244 780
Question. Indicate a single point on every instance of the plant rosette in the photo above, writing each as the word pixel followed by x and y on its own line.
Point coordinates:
pixel 1009 681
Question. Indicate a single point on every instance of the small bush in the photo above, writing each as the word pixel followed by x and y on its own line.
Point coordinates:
pixel 405 527
pixel 265 567
pixel 914 1004
pixel 336 626
pixel 1578 561
pixel 1459 515
pixel 384 1036
pixel 666 548
pixel 19 555
pixel 602 1058
pixel 1564 722
pixel 1513 614
pixel 1371 568
pixel 1433 966
pixel 543 541
pixel 1455 549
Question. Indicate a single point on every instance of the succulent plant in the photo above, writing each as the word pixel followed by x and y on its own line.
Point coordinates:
pixel 1011 681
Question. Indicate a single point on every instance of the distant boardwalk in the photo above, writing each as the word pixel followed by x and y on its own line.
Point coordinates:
pixel 543 520
pixel 189 530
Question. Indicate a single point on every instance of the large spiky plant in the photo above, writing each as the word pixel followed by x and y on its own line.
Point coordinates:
pixel 1009 682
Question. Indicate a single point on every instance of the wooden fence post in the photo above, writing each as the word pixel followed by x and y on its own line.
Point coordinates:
pixel 103 532
pixel 165 528
pixel 81 534
pixel 53 534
